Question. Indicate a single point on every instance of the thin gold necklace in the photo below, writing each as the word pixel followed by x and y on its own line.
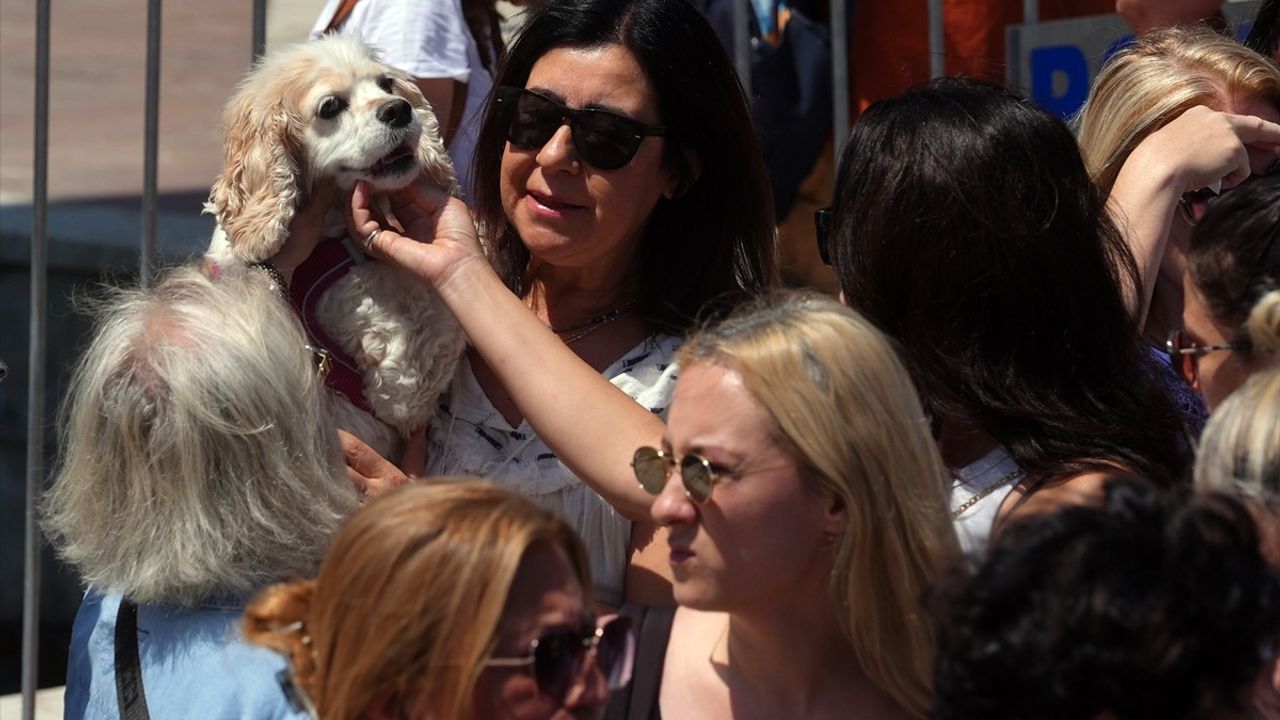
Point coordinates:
pixel 582 330
pixel 955 514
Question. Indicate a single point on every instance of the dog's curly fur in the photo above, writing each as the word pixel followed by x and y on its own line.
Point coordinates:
pixel 329 109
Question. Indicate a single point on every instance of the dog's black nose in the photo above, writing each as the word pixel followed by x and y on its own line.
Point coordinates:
pixel 396 113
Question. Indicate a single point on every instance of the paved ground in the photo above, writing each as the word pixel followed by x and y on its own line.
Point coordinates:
pixel 98 89
pixel 96 105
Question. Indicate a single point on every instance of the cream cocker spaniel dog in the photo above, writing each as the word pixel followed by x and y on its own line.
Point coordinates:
pixel 329 109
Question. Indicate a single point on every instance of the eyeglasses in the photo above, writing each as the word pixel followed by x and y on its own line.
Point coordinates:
pixel 604 140
pixel 1195 204
pixel 1184 354
pixel 653 466
pixel 559 656
pixel 822 226
pixel 322 360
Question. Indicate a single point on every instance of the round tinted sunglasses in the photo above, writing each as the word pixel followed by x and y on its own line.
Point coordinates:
pixel 1184 354
pixel 653 466
pixel 604 140
pixel 559 656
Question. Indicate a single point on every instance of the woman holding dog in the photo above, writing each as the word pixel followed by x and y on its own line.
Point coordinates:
pixel 620 195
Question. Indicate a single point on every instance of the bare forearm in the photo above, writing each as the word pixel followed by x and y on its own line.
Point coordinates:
pixel 1142 201
pixel 588 422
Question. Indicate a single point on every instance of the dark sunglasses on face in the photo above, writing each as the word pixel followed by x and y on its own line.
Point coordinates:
pixel 1195 204
pixel 653 466
pixel 822 226
pixel 604 140
pixel 1184 354
pixel 559 656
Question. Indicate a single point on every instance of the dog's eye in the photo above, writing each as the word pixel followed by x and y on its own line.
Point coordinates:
pixel 387 83
pixel 331 106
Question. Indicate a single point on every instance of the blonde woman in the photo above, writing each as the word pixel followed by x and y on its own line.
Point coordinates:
pixel 1240 448
pixel 198 464
pixel 457 600
pixel 1174 119
pixel 807 511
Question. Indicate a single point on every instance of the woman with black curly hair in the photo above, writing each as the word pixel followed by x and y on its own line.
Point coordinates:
pixel 1146 607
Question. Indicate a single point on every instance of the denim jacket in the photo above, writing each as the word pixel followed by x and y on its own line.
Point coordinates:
pixel 194 664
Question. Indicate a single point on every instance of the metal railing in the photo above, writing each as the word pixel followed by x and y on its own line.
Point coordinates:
pixel 38 323
pixel 148 242
pixel 36 357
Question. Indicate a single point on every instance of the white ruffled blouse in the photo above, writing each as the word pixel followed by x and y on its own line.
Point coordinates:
pixel 469 436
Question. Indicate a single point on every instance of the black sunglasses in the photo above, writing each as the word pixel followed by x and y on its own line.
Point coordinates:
pixel 822 228
pixel 653 466
pixel 559 656
pixel 604 140
pixel 1184 354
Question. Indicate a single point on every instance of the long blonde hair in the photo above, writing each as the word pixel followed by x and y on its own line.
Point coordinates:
pixel 844 401
pixel 198 456
pixel 1240 447
pixel 409 600
pixel 1156 79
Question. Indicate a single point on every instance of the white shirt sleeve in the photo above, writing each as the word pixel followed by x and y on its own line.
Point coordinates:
pixel 424 38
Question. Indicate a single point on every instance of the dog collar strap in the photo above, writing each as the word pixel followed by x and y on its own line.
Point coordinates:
pixel 328 263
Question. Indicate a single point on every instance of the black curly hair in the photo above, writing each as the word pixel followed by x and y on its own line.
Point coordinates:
pixel 1152 606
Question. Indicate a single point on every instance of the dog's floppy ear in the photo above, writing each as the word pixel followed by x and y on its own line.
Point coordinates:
pixel 437 168
pixel 257 193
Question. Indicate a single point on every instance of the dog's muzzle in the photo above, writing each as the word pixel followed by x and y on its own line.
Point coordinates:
pixel 396 113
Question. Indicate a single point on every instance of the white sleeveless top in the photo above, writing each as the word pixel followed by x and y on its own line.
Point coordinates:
pixel 468 436
pixel 977 491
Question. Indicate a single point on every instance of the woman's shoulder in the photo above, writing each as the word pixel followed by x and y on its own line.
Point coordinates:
pixel 189 658
pixel 652 626
pixel 648 371
pixel 1047 495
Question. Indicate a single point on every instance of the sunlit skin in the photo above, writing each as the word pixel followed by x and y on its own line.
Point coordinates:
pixel 1173 263
pixel 756 635
pixel 721 554
pixel 1221 371
pixel 545 595
pixel 583 225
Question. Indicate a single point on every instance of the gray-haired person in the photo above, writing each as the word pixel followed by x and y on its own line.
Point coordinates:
pixel 198 464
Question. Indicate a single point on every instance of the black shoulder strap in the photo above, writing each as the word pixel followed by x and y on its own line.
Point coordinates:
pixel 653 629
pixel 129 695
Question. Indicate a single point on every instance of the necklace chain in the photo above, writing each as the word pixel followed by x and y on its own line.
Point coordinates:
pixel 582 330
pixel 984 492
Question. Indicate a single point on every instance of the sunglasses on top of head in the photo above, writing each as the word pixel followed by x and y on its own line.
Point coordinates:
pixel 559 656
pixel 603 139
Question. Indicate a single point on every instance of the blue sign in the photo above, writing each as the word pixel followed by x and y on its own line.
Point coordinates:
pixel 1054 63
